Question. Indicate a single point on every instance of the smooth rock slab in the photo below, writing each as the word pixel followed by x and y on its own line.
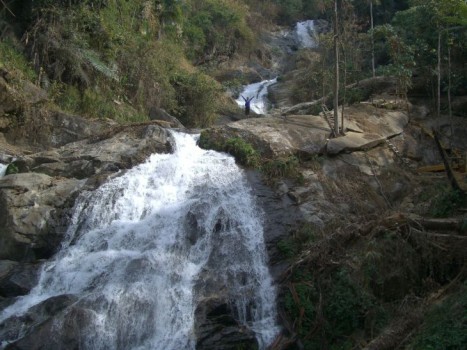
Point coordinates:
pixel 30 206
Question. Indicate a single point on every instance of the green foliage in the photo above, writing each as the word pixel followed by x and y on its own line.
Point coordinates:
pixel 197 96
pixel 292 246
pixel 301 299
pixel 279 168
pixel 446 203
pixel 346 306
pixel 445 326
pixel 11 169
pixel 11 58
pixel 291 11
pixel 92 104
pixel 356 95
pixel 243 152
pixel 402 58
pixel 327 309
pixel 215 29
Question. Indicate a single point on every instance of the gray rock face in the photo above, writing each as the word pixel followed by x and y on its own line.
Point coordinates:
pixel 30 214
pixel 34 205
pixel 217 329
pixel 44 335
pixel 17 279
pixel 309 134
pixel 156 113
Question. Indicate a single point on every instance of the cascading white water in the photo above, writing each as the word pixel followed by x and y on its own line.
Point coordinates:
pixel 259 91
pixel 139 247
pixel 3 169
pixel 305 32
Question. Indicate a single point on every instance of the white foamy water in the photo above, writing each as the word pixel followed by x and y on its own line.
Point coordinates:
pixel 259 91
pixel 140 247
pixel 3 169
pixel 305 32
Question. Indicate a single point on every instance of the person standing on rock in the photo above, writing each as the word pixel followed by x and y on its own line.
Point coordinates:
pixel 247 104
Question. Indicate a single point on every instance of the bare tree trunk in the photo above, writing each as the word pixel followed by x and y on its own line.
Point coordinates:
pixel 449 92
pixel 438 71
pixel 452 179
pixel 336 71
pixel 372 40
pixel 345 93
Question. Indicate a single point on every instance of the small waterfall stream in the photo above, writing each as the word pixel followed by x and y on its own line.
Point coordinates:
pixel 3 168
pixel 259 92
pixel 306 34
pixel 140 248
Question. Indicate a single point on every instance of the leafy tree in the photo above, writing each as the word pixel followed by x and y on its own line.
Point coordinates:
pixel 402 58
pixel 425 25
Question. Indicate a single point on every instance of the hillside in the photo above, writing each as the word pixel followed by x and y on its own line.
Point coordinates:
pixel 365 233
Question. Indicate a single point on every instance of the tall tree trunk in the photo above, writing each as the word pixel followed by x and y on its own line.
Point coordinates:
pixel 345 92
pixel 438 71
pixel 336 71
pixel 449 92
pixel 372 41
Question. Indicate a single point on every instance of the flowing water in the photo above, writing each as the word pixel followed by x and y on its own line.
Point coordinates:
pixel 305 32
pixel 3 169
pixel 259 91
pixel 141 247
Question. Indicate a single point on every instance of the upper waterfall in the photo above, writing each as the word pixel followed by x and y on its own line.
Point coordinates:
pixel 259 92
pixel 140 248
pixel 306 34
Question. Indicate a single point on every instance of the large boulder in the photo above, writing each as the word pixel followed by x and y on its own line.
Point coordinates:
pixel 17 279
pixel 216 328
pixel 37 328
pixel 309 134
pixel 31 222
pixel 35 205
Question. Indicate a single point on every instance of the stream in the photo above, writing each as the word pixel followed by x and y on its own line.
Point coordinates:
pixel 142 249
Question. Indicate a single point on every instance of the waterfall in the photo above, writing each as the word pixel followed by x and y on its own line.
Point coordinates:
pixel 305 32
pixel 259 91
pixel 3 168
pixel 140 247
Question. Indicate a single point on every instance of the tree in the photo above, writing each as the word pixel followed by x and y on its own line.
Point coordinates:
pixel 336 69
pixel 426 25
pixel 402 58
pixel 373 69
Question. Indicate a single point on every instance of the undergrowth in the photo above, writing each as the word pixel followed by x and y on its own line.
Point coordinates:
pixel 300 238
pixel 447 202
pixel 445 326
pixel 12 59
pixel 283 167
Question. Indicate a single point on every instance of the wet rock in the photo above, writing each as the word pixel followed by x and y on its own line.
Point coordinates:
pixel 216 328
pixel 17 279
pixel 156 113
pixel 34 329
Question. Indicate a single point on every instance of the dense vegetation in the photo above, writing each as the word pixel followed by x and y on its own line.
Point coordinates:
pixel 117 59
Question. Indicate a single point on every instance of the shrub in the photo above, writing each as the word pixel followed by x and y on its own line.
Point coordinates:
pixel 197 96
pixel 12 58
pixel 281 168
pixel 447 203
pixel 12 168
pixel 216 28
pixel 294 244
pixel 445 326
pixel 243 152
